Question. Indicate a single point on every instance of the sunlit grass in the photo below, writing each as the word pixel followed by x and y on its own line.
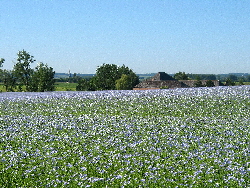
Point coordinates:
pixel 65 86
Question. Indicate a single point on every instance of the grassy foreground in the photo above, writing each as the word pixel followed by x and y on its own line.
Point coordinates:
pixel 197 137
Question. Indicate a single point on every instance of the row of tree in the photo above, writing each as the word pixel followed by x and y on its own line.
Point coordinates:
pixel 229 81
pixel 41 78
pixel 23 78
pixel 107 77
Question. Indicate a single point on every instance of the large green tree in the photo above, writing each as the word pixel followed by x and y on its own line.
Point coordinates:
pixel 42 78
pixel 107 75
pixel 83 85
pixel 22 69
pixel 181 76
pixel 39 79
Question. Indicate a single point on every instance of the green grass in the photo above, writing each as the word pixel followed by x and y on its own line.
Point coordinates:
pixel 65 86
pixel 59 86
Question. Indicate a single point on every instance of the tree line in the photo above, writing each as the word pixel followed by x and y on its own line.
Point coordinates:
pixel 108 77
pixel 23 78
pixel 229 80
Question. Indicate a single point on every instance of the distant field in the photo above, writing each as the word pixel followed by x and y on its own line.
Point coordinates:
pixel 59 86
pixel 64 86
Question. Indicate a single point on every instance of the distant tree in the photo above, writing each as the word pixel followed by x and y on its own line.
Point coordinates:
pixel 9 80
pixel 42 78
pixel 181 76
pixel 233 78
pixel 209 77
pixel 133 79
pixel 209 83
pixel 83 85
pixel 229 82
pixel 105 77
pixel 22 70
pixel 198 82
pixel 107 74
pixel 1 65
pixel 248 78
pixel 241 80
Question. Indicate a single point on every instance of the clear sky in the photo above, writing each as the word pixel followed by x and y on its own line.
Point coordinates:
pixel 194 36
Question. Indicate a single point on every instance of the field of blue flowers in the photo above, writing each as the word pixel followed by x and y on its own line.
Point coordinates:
pixel 196 137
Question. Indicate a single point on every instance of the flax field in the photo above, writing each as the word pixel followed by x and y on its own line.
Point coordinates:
pixel 190 137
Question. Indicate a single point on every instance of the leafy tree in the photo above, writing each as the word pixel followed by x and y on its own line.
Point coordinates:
pixel 181 76
pixel 229 82
pixel 1 65
pixel 248 78
pixel 83 85
pixel 1 62
pixel 198 82
pixel 209 83
pixel 43 78
pixel 124 83
pixel 241 80
pixel 107 74
pixel 233 78
pixel 22 69
pixel 9 80
pixel 92 83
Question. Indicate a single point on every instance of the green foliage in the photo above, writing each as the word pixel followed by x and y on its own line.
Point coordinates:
pixel 106 75
pixel 109 77
pixel 22 70
pixel 209 83
pixel 43 78
pixel 229 82
pixel 164 87
pixel 232 77
pixel 198 83
pixel 241 81
pixel 9 80
pixel 23 77
pixel 1 62
pixel 83 85
pixel 202 76
pixel 181 76
pixel 124 83
pixel 1 71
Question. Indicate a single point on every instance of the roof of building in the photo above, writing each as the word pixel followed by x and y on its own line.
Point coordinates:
pixel 160 76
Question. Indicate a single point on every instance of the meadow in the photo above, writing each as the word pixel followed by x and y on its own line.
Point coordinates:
pixel 186 137
pixel 59 86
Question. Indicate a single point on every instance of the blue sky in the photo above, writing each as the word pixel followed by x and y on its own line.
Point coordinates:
pixel 194 36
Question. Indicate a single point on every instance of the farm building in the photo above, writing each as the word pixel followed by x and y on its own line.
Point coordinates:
pixel 163 80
